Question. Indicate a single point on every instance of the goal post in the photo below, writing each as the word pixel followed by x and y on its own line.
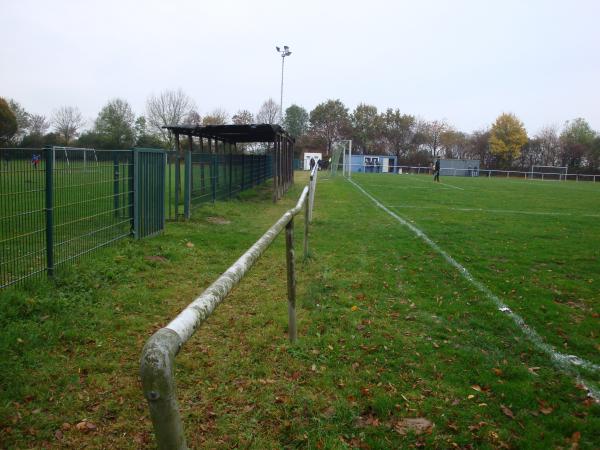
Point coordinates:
pixel 539 172
pixel 342 156
pixel 75 157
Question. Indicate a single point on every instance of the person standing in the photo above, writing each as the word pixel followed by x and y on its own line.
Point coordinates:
pixel 312 163
pixel 436 170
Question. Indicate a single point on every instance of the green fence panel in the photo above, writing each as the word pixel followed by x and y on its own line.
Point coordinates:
pixel 58 204
pixel 149 192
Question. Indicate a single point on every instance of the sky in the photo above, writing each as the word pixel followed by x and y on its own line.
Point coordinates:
pixel 463 61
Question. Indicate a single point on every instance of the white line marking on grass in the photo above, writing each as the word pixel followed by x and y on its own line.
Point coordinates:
pixel 395 186
pixel 451 185
pixel 438 183
pixel 568 363
pixel 500 211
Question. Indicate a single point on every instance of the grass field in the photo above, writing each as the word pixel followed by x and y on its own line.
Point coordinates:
pixel 389 330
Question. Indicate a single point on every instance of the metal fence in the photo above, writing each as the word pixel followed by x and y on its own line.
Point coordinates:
pixel 157 367
pixel 474 172
pixel 58 204
pixel 199 178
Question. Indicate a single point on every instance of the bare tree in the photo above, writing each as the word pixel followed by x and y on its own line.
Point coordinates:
pixel 38 124
pixel 168 108
pixel 268 112
pixel 243 117
pixel 218 116
pixel 432 133
pixel 67 122
pixel 549 145
pixel 193 118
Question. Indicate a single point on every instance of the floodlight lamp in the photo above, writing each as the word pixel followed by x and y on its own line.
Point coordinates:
pixel 286 48
pixel 277 49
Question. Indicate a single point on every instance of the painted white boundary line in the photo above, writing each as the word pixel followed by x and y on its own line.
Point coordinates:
pixel 404 186
pixel 439 184
pixel 499 211
pixel 568 363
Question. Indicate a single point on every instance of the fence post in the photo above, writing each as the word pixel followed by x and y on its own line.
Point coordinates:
pixel 187 193
pixel 306 220
pixel 116 183
pixel 230 168
pixel 213 179
pixel 49 156
pixel 291 280
pixel 311 197
pixel 158 383
pixel 136 194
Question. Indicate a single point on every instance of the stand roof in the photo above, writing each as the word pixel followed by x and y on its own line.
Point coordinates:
pixel 233 133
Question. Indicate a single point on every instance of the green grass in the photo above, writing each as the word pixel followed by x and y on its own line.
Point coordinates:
pixel 388 330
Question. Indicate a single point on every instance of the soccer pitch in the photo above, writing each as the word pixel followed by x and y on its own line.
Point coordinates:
pixel 531 247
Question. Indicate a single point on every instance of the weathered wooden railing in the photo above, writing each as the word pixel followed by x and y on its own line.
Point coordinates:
pixel 158 356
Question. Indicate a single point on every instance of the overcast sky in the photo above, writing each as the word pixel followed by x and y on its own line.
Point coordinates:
pixel 465 61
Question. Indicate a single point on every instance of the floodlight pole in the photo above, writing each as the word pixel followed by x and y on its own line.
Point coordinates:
pixel 285 52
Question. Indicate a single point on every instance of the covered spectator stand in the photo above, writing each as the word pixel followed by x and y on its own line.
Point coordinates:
pixel 231 140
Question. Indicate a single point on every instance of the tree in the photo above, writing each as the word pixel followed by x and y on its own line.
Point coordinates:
pixel 296 121
pixel 23 120
pixel 67 121
pixel 243 117
pixel 218 116
pixel 366 127
pixel 577 142
pixel 507 138
pixel 398 131
pixel 454 143
pixel 478 147
pixel 548 144
pixel 431 133
pixel 115 125
pixel 268 112
pixel 193 118
pixel 168 108
pixel 330 122
pixel 143 137
pixel 38 124
pixel 8 122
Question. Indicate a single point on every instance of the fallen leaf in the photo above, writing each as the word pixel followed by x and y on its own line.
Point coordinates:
pixel 354 308
pixel 476 387
pixel 546 410
pixel 58 435
pixel 86 426
pixel 507 412
pixel 189 245
pixel 417 425
pixel 497 371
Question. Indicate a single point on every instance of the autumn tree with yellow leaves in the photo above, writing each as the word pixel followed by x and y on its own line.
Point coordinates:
pixel 507 138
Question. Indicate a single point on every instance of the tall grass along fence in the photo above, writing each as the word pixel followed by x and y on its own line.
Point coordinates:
pixel 58 204
pixel 158 356
pixel 208 177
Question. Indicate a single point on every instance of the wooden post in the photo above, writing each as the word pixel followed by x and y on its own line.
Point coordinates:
pixel 291 280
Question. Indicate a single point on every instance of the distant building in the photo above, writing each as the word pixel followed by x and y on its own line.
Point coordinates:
pixel 459 167
pixel 307 156
pixel 373 163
